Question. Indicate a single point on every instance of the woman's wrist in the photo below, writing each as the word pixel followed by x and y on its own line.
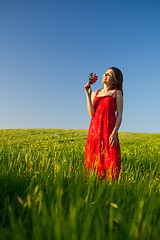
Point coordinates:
pixel 115 131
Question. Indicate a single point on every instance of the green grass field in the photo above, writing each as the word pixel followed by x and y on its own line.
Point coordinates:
pixel 44 193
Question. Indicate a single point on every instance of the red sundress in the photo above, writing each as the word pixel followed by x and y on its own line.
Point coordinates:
pixel 99 155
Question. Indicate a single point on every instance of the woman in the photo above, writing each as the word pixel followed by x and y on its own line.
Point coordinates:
pixel 102 150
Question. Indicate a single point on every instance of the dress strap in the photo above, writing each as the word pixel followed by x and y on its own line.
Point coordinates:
pixel 115 93
pixel 97 92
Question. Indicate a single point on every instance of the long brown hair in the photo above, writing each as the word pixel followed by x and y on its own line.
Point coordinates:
pixel 118 78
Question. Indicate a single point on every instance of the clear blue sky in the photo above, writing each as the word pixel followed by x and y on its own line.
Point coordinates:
pixel 49 48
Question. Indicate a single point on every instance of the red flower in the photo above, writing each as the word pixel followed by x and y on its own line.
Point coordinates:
pixel 30 167
pixel 93 78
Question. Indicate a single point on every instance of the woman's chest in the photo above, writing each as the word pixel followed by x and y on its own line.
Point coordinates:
pixel 107 103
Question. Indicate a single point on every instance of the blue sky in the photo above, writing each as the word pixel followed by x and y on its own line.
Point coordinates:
pixel 49 48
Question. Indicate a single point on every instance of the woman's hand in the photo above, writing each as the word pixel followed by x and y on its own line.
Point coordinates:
pixel 113 139
pixel 88 89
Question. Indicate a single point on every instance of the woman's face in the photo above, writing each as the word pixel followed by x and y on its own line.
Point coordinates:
pixel 108 77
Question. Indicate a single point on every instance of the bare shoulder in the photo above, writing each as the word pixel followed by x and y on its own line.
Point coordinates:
pixel 119 101
pixel 93 96
pixel 119 94
pixel 94 93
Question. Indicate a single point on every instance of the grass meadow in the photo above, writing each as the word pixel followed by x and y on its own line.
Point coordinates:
pixel 44 193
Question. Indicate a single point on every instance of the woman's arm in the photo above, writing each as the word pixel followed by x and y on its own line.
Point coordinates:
pixel 113 136
pixel 90 99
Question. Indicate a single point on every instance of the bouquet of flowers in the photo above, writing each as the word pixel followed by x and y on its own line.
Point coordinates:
pixel 92 78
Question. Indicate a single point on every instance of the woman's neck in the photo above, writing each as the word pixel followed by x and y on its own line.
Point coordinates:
pixel 107 88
